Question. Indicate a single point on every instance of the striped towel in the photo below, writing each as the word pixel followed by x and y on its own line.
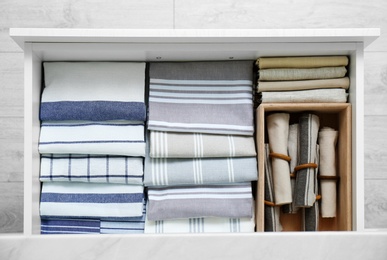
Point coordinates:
pixel 203 97
pixel 91 168
pixel 85 137
pixel 70 226
pixel 91 200
pixel 229 201
pixel 95 91
pixel 201 225
pixel 199 145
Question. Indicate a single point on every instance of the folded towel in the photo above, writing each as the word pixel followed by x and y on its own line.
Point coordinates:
pixel 91 200
pixel 95 91
pixel 229 201
pixel 70 226
pixel 83 137
pixel 302 74
pixel 302 62
pixel 306 96
pixel 303 84
pixel 203 97
pixel 201 225
pixel 91 168
pixel 198 145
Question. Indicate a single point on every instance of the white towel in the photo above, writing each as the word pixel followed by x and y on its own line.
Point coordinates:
pixel 331 95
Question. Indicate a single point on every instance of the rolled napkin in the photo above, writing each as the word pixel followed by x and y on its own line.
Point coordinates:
pixel 201 225
pixel 302 62
pixel 160 172
pixel 278 131
pixel 327 140
pixel 199 145
pixel 302 74
pixel 293 149
pixel 305 194
pixel 202 97
pixel 332 95
pixel 303 84
pixel 91 200
pixel 91 168
pixel 272 213
pixel 228 201
pixel 85 137
pixel 69 226
pixel 96 91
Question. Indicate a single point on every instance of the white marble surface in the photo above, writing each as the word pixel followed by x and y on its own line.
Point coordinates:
pixel 328 245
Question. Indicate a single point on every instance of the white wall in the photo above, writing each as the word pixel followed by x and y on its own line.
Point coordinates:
pixel 193 14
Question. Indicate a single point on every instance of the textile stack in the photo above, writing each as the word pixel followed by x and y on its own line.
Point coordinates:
pixel 302 79
pixel 92 146
pixel 201 155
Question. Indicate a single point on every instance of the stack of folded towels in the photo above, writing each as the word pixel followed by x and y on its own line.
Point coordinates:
pixel 92 146
pixel 302 79
pixel 201 156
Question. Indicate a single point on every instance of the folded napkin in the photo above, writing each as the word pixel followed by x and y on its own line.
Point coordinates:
pixel 91 200
pixel 327 140
pixel 305 195
pixel 201 225
pixel 84 137
pixel 278 132
pixel 272 213
pixel 302 62
pixel 95 91
pixel 305 96
pixel 303 84
pixel 199 145
pixel 91 168
pixel 302 74
pixel 203 97
pixel 229 201
pixel 69 226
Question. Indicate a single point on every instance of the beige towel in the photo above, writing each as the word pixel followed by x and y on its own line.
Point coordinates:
pixel 333 95
pixel 302 74
pixel 302 62
pixel 303 84
pixel 278 131
pixel 327 141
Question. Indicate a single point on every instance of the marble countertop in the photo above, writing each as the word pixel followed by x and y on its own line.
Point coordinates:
pixel 292 245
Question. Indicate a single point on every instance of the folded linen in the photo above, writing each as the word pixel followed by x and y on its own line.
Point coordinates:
pixel 95 91
pixel 199 145
pixel 229 201
pixel 69 226
pixel 202 97
pixel 306 96
pixel 302 74
pixel 198 171
pixel 201 225
pixel 91 168
pixel 303 84
pixel 84 137
pixel 91 200
pixel 302 62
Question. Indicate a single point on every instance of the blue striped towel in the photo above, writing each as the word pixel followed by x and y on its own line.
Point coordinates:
pixel 125 138
pixel 70 226
pixel 95 91
pixel 91 200
pixel 91 168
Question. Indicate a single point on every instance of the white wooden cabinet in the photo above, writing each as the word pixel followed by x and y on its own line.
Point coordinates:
pixel 185 45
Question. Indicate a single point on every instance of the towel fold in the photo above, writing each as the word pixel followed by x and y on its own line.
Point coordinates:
pixel 229 201
pixel 95 91
pixel 91 168
pixel 305 96
pixel 302 74
pixel 202 97
pixel 69 226
pixel 84 137
pixel 269 86
pixel 91 200
pixel 199 145
pixel 302 62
